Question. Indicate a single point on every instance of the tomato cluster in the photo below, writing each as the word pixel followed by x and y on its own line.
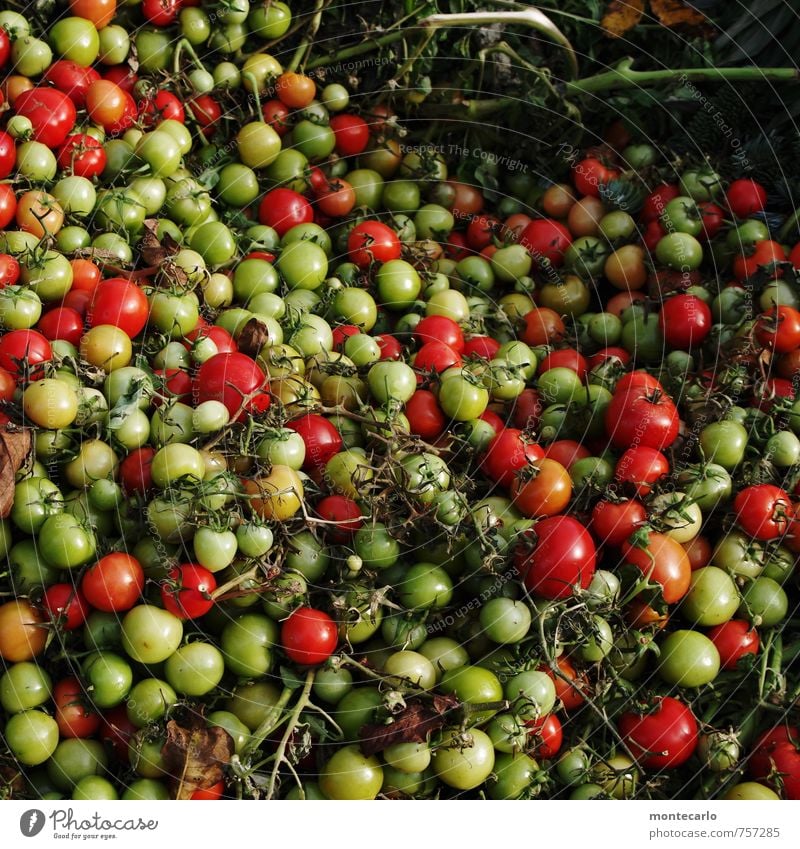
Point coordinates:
pixel 301 424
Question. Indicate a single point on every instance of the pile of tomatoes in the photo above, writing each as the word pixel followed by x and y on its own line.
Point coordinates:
pixel 398 486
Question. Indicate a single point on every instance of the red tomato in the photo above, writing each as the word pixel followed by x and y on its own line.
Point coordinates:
pixel 134 471
pixel 186 591
pixel 434 358
pixel 685 321
pixel 5 47
pixel 175 383
pixel 72 79
pixel 8 153
pixel 425 416
pixel 562 558
pixel 766 254
pixel 565 358
pixel 163 106
pixel 490 417
pixel 528 409
pixel 570 685
pixel 234 379
pixel 483 230
pixel 117 730
pixel 589 174
pixel 23 353
pixel 61 323
pixel 73 712
pixel 50 111
pixel 7 386
pixel 456 247
pixel 342 333
pixel 283 209
pixel 344 513
pixel 776 759
pixel 640 467
pixel 543 490
pixel 566 452
pixel 84 155
pixel 654 232
pixel 763 511
pixel 664 737
pixel 543 326
pixel 206 111
pixel 507 453
pixel 712 217
pixel 121 303
pixel 611 353
pixel 734 639
pixel 218 335
pixel 352 134
pixel 66 605
pixel 321 439
pixel 276 114
pixel 664 562
pixel 391 349
pixel 122 76
pixel 9 270
pixel 372 241
pixel 547 735
pixel 654 203
pixel 309 636
pixel 161 13
pixel 440 328
pixel 640 416
pixel 114 583
pixel 546 240
pixel 481 346
pixel 614 521
pixel 209 794
pixel 745 197
pixel 779 329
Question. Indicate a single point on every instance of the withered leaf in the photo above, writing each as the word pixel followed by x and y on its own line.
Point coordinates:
pixel 622 16
pixel 153 251
pixel 252 338
pixel 195 755
pixel 411 725
pixel 15 445
pixel 676 13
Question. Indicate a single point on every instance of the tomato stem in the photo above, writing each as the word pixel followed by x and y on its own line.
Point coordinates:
pixel 280 755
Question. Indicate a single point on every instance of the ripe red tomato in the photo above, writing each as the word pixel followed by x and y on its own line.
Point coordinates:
pixel 734 639
pixel 685 321
pixel 391 348
pixel 563 557
pixel 352 134
pixel 122 76
pixel 589 174
pixel 163 106
pixel 528 409
pixel 84 155
pixel 507 453
pixel 9 270
pixel 776 759
pixel 276 114
pixel 546 240
pixel 712 217
pixel 620 355
pixel 283 209
pixel 779 329
pixel 335 199
pixel 766 254
pixel 61 323
pixel 114 583
pixel 435 357
pixel 5 47
pixel 372 241
pixel 223 340
pixel 322 440
pixel 664 737
pixel 8 154
pixel 73 712
pixel 206 111
pixel 72 79
pixel 565 358
pixel 483 230
pixel 639 468
pixel 51 113
pixel 543 326
pixel 23 354
pixel 161 13
pixel 309 636
pixel 546 736
pixel 763 511
pixel 440 329
pixel 66 605
pixel 134 471
pixel 654 203
pixel 456 247
pixel 342 511
pixel 570 685
pixel 234 379
pixel 663 561
pixel 566 452
pixel 481 346
pixel 640 416
pixel 209 794
pixel 121 303
pixel 543 490
pixel 186 591
pixel 117 730
pixel 425 416
pixel 745 197
pixel 614 521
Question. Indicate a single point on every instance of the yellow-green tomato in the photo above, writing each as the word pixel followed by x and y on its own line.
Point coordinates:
pixel 50 403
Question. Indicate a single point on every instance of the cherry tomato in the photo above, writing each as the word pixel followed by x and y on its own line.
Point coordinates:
pixel 763 511
pixel 734 640
pixel 663 561
pixel 186 591
pixel 50 111
pixel 663 737
pixel 372 241
pixel 114 583
pixel 309 636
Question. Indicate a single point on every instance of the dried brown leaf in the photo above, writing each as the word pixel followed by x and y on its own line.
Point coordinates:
pixel 622 16
pixel 411 725
pixel 152 250
pixel 15 445
pixel 252 338
pixel 676 13
pixel 196 755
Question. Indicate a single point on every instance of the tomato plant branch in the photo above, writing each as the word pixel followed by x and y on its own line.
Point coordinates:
pixel 280 754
